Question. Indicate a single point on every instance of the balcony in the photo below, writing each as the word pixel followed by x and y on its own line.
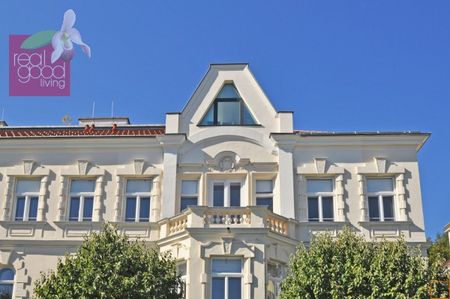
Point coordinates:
pixel 234 217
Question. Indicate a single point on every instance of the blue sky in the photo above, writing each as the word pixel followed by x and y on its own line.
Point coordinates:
pixel 340 65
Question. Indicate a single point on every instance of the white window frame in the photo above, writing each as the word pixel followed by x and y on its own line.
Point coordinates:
pixel 9 282
pixel 319 196
pixel 227 275
pixel 226 191
pixel 185 195
pixel 380 196
pixel 138 196
pixel 28 196
pixel 81 196
pixel 262 194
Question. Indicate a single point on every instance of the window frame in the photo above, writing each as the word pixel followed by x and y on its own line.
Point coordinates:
pixel 27 196
pixel 320 195
pixel 138 196
pixel 226 192
pixel 81 196
pixel 264 194
pixel 380 195
pixel 9 282
pixel 214 106
pixel 227 275
pixel 189 195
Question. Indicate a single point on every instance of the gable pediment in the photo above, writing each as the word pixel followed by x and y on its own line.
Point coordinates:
pixel 212 86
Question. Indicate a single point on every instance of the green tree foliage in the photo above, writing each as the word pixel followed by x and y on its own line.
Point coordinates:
pixel 440 249
pixel 108 265
pixel 350 267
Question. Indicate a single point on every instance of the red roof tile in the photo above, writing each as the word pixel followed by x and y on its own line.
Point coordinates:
pixel 47 132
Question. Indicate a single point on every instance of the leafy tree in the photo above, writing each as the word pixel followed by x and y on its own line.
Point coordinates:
pixel 108 265
pixel 440 249
pixel 350 267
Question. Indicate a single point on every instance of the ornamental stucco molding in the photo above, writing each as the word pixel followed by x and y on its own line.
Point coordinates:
pixel 29 169
pixel 138 168
pixel 321 167
pixel 81 169
pixel 381 166
pixel 227 246
pixel 227 161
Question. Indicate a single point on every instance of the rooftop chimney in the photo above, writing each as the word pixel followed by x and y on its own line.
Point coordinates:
pixel 104 121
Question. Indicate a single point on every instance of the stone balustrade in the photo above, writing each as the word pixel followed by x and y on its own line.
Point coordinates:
pixel 227 216
pixel 216 217
pixel 178 223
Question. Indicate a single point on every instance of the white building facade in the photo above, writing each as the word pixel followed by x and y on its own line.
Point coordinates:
pixel 227 185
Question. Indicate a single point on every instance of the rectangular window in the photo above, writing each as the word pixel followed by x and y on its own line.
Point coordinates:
pixel 88 208
pixel 20 207
pixel 218 196
pixel 264 193
pixel 320 199
pixel 189 194
pixel 226 193
pixel 226 278
pixel 6 283
pixel 130 212
pixel 74 208
pixel 313 208
pixel 81 200
pixel 235 195
pixel 144 209
pixel 138 203
pixel 327 208
pixel 27 200
pixel 380 194
pixel 388 208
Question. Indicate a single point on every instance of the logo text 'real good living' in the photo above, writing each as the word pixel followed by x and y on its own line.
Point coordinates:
pixel 32 73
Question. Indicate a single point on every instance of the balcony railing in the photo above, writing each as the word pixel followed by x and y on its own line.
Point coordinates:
pixel 227 216
pixel 237 217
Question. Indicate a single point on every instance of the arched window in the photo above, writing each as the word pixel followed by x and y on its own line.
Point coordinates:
pixel 6 283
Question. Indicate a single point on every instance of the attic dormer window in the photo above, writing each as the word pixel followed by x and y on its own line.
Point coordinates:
pixel 228 109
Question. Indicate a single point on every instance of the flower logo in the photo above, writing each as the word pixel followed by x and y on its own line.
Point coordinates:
pixel 62 41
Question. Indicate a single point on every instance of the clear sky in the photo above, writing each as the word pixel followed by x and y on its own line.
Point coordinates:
pixel 342 65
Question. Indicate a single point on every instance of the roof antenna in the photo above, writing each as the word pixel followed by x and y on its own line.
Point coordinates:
pixel 112 109
pixel 93 109
pixel 3 114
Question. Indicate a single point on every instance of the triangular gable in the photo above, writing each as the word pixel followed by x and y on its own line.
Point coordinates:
pixel 256 102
